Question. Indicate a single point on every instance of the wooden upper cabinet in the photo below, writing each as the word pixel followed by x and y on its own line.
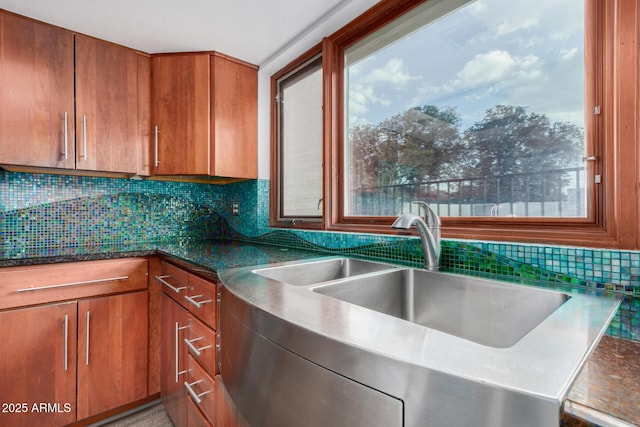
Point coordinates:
pixel 38 123
pixel 106 106
pixel 180 92
pixel 205 115
pixel 36 94
pixel 234 115
pixel 144 115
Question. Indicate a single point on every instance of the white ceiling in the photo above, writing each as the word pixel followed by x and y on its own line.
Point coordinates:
pixel 253 30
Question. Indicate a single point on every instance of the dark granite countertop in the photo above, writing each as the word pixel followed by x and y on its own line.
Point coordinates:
pixel 606 392
pixel 210 255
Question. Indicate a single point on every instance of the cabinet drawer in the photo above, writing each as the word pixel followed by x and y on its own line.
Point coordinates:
pixel 200 389
pixel 195 418
pixel 201 299
pixel 201 344
pixel 197 295
pixel 30 285
pixel 174 282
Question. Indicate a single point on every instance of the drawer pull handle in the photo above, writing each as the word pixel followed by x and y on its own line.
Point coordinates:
pixel 86 348
pixel 65 349
pixel 64 285
pixel 65 137
pixel 160 279
pixel 197 304
pixel 83 152
pixel 195 396
pixel 156 159
pixel 195 349
pixel 176 358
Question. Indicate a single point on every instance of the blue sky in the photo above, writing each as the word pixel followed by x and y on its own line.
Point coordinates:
pixel 489 52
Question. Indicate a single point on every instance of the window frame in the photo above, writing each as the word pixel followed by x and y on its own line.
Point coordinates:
pixel 607 85
pixel 276 216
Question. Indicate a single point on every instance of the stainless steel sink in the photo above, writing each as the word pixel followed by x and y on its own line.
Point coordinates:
pixel 485 312
pixel 402 346
pixel 308 273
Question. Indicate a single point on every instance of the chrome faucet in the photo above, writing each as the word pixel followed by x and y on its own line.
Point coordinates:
pixel 429 232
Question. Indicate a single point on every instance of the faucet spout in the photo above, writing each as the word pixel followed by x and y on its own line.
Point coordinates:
pixel 429 232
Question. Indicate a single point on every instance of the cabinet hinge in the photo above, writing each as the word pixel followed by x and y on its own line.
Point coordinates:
pixel 596 110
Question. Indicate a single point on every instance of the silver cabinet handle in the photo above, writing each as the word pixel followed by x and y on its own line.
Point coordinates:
pixel 160 279
pixel 197 304
pixel 86 338
pixel 65 334
pixel 156 160
pixel 65 154
pixel 64 285
pixel 176 346
pixel 195 396
pixel 83 153
pixel 195 349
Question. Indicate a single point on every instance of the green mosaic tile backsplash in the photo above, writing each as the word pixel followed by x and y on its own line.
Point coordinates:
pixel 39 211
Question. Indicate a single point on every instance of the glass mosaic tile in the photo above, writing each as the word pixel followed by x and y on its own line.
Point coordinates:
pixel 40 211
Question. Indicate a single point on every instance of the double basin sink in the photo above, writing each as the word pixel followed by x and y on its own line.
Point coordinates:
pixel 488 313
pixel 454 350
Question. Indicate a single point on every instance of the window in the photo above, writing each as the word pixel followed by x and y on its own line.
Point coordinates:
pixel 489 110
pixel 476 107
pixel 298 148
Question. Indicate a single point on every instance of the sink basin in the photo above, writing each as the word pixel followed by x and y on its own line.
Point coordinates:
pixel 486 312
pixel 308 273
pixel 403 346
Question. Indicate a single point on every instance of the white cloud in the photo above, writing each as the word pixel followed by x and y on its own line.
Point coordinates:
pixel 516 23
pixel 361 96
pixel 505 51
pixel 394 72
pixel 568 54
pixel 486 67
pixel 494 67
pixel 369 88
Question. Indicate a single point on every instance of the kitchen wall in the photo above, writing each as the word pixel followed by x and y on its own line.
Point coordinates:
pixel 41 214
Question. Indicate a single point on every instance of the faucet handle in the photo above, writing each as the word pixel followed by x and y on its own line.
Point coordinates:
pixel 430 217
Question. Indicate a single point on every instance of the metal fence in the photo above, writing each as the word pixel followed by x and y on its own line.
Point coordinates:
pixel 550 193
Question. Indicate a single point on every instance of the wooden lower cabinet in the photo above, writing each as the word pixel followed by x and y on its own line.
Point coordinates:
pixel 38 366
pixel 62 362
pixel 112 352
pixel 200 388
pixel 188 347
pixel 195 418
pixel 173 361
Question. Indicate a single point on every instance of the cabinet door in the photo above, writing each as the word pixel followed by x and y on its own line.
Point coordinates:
pixel 234 118
pixel 38 366
pixel 36 94
pixel 106 106
pixel 112 352
pixel 174 362
pixel 144 115
pixel 180 91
